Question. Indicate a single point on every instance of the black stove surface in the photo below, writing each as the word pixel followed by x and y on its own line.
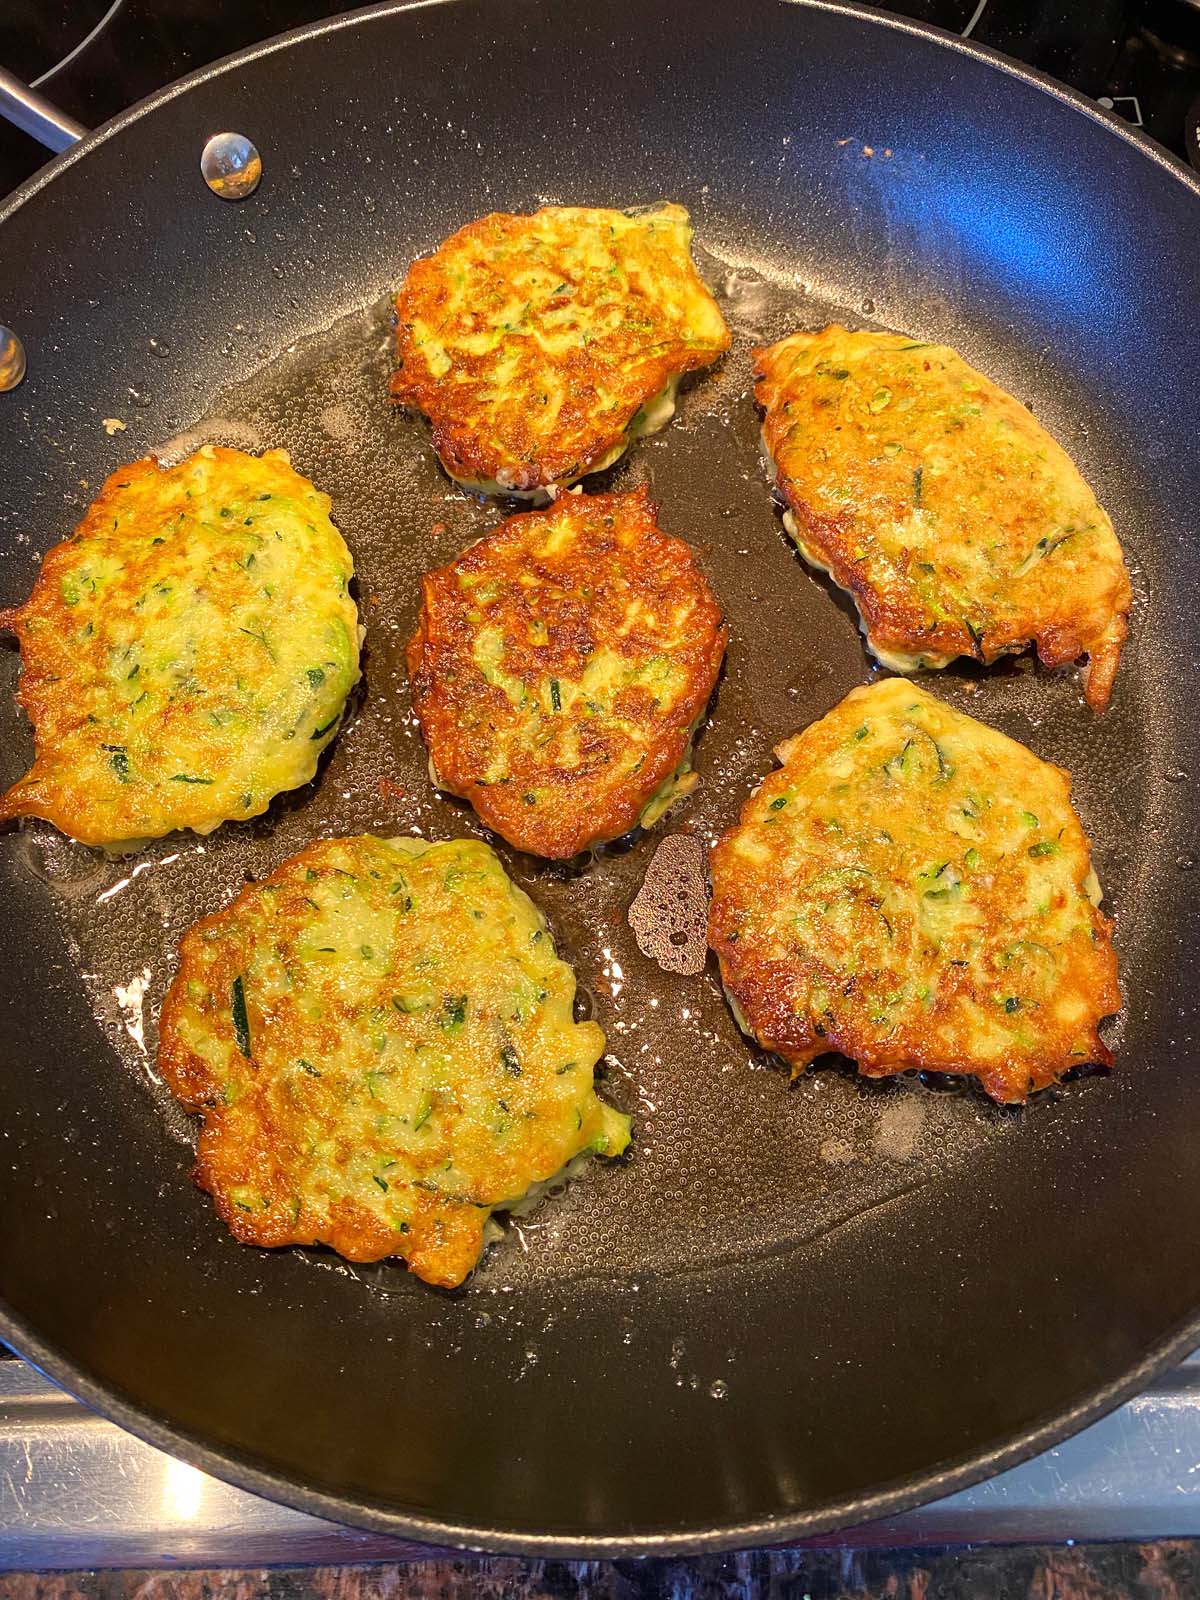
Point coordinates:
pixel 94 57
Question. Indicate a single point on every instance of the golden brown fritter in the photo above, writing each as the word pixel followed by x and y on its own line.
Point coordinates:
pixel 538 346
pixel 380 1040
pixel 559 669
pixel 951 517
pixel 914 889
pixel 187 651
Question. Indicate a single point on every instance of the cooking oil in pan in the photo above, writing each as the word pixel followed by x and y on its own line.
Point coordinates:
pixel 729 1162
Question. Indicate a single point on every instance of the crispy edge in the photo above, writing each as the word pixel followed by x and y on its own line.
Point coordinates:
pixel 443 1254
pixel 27 796
pixel 896 627
pixel 760 991
pixel 625 806
pixel 462 448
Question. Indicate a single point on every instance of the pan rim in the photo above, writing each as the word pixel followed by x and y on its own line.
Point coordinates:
pixel 830 1516
pixel 1116 125
pixel 888 1501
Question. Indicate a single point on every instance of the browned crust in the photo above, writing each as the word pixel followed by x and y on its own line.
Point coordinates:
pixel 617 555
pixel 56 676
pixel 1103 659
pixel 767 992
pixel 895 624
pixel 442 1247
pixel 37 690
pixel 240 1144
pixel 466 441
pixel 773 994
pixel 1092 626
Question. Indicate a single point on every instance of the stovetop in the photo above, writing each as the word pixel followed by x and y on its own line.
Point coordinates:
pixel 1141 58
pixel 77 1492
pixel 1133 1475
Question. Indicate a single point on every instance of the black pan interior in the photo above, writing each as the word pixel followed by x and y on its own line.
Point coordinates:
pixel 791 1307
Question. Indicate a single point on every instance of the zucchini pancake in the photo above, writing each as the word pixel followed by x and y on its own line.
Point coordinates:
pixel 949 515
pixel 540 346
pixel 187 652
pixel 560 668
pixel 380 1040
pixel 914 890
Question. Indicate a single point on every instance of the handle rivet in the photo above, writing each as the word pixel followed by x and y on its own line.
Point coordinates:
pixel 231 166
pixel 12 360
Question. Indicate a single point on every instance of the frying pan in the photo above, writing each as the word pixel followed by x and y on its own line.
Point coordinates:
pixel 790 1308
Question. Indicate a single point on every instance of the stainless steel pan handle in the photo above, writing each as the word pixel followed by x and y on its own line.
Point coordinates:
pixel 35 115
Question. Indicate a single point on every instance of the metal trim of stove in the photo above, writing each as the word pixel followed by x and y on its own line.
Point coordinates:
pixel 78 1492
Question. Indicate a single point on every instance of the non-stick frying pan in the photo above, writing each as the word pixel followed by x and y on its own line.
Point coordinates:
pixel 790 1308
